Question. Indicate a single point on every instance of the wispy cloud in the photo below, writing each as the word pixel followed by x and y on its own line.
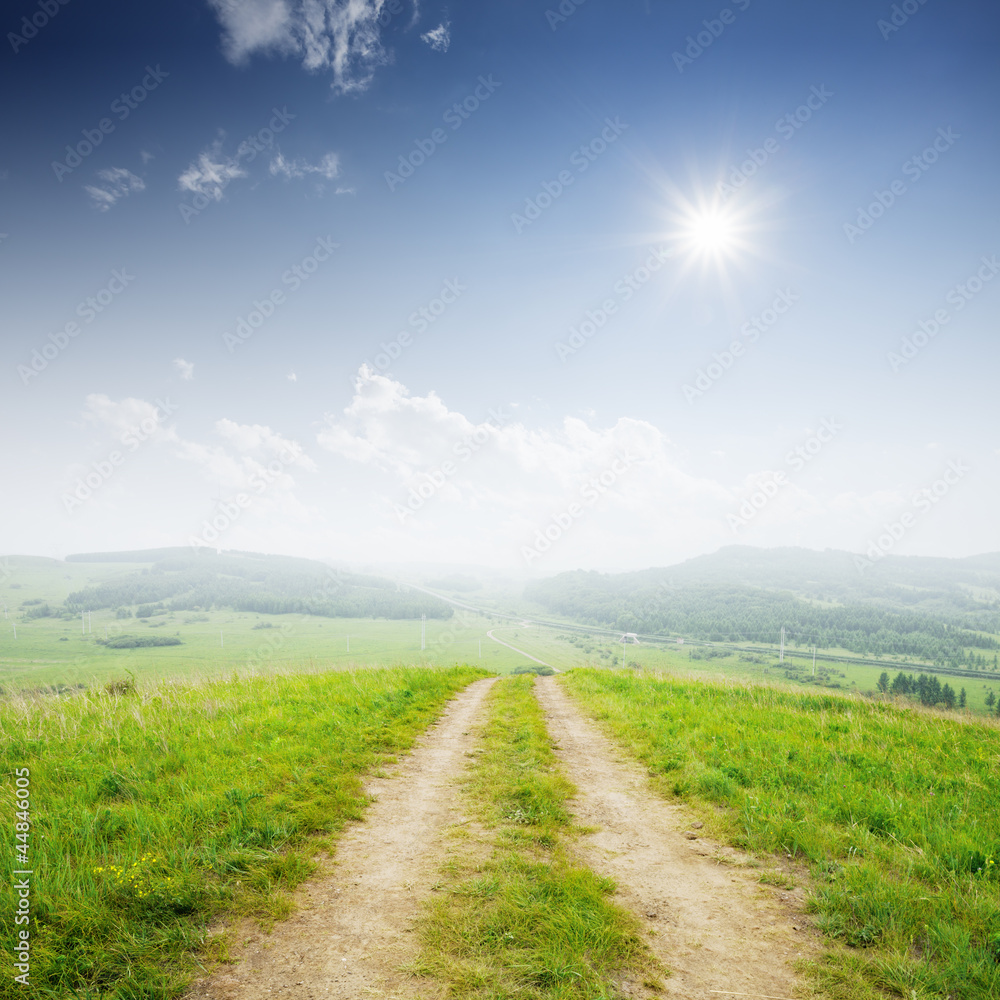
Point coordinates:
pixel 341 36
pixel 186 368
pixel 328 167
pixel 128 415
pixel 438 38
pixel 118 183
pixel 210 173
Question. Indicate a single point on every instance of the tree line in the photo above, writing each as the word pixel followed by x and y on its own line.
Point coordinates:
pixel 263 584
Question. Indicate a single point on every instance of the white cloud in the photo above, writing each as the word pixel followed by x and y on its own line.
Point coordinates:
pixel 210 173
pixel 328 167
pixel 499 483
pixel 262 442
pixel 438 38
pixel 292 377
pixel 129 416
pixel 341 36
pixel 506 480
pixel 186 368
pixel 118 184
pixel 246 448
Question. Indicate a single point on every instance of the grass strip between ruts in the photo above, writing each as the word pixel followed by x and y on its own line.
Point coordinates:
pixel 516 914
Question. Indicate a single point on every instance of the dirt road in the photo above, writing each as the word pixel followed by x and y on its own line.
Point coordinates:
pixel 716 927
pixel 352 930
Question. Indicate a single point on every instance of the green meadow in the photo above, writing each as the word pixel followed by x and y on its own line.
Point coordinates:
pixel 894 811
pixel 156 811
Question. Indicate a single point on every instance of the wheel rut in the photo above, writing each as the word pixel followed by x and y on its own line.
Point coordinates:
pixel 352 929
pixel 712 923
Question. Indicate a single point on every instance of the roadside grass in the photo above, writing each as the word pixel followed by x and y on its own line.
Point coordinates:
pixel 156 812
pixel 895 811
pixel 516 914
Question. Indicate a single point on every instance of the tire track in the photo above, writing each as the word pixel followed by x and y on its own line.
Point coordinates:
pixel 352 929
pixel 713 925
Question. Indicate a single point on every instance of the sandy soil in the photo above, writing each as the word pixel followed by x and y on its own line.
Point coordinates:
pixel 353 926
pixel 715 926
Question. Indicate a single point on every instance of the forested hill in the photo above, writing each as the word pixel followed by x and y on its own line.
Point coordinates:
pixel 936 610
pixel 182 580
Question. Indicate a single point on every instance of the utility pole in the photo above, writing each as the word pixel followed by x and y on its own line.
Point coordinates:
pixel 83 622
pixel 781 655
pixel 423 632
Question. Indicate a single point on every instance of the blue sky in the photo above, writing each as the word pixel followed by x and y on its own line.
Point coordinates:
pixel 525 173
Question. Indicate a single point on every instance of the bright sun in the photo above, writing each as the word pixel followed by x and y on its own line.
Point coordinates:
pixel 711 233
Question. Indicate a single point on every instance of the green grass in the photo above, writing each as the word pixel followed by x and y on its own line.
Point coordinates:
pixel 894 810
pixel 54 651
pixel 517 915
pixel 215 643
pixel 159 810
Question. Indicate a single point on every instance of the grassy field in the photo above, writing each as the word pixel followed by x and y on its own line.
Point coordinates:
pixel 156 811
pixel 516 915
pixel 565 651
pixel 54 651
pixel 895 811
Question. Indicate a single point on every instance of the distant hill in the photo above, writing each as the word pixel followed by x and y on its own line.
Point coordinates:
pixel 944 611
pixel 179 579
